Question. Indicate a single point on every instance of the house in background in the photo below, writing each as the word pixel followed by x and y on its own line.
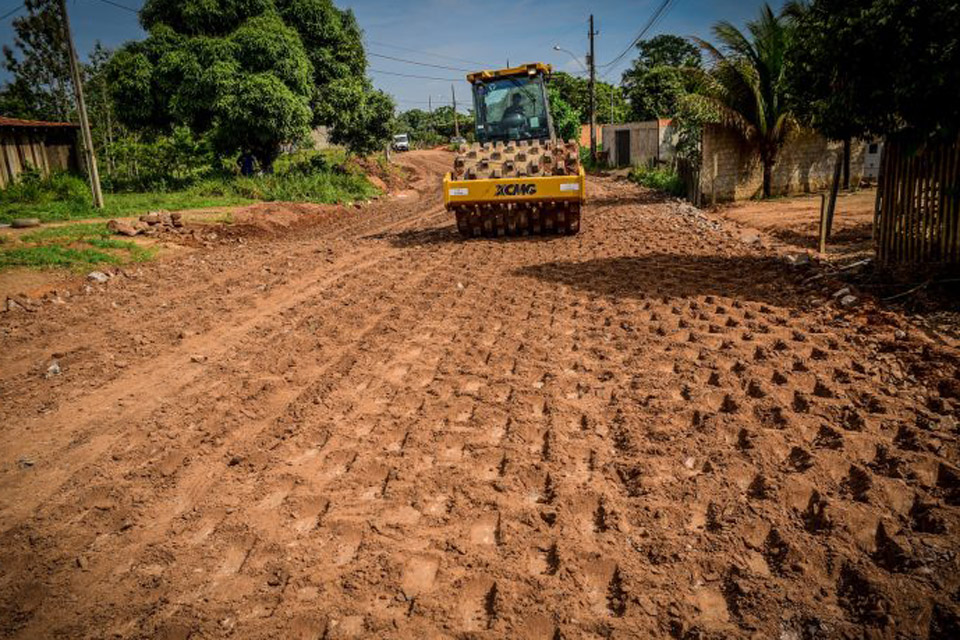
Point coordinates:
pixel 639 143
pixel 871 160
pixel 45 146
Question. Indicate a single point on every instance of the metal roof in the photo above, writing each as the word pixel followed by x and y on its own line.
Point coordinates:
pixel 532 68
pixel 17 122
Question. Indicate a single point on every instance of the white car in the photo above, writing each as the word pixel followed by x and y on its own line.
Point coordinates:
pixel 401 142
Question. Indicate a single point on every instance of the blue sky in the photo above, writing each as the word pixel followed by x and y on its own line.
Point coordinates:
pixel 457 33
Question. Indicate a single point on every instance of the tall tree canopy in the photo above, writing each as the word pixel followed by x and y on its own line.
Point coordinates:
pixel 876 67
pixel 38 64
pixel 251 73
pixel 576 92
pixel 658 80
pixel 565 116
pixel 746 84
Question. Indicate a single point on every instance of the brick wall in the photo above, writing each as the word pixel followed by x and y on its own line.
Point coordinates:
pixel 805 165
pixel 585 135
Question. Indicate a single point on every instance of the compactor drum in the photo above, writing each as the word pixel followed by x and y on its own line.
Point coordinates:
pixel 518 177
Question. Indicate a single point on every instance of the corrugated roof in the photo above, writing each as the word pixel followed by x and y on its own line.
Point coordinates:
pixel 17 122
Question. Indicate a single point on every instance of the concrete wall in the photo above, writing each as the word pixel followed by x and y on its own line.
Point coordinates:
pixel 871 162
pixel 668 141
pixel 320 137
pixel 644 143
pixel 805 164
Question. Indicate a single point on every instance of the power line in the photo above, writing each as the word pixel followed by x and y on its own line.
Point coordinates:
pixel 412 75
pixel 423 101
pixel 12 11
pixel 657 15
pixel 120 6
pixel 422 64
pixel 426 53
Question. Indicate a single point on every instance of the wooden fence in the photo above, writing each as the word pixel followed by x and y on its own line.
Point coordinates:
pixel 917 215
pixel 43 149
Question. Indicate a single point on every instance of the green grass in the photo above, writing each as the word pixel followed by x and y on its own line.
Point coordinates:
pixel 116 205
pixel 297 179
pixel 72 246
pixel 662 179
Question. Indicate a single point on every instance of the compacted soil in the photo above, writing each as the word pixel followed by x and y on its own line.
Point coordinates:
pixel 795 222
pixel 353 424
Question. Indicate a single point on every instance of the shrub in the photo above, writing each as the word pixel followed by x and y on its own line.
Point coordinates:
pixel 660 178
pixel 164 163
pixel 587 161
pixel 32 188
pixel 291 185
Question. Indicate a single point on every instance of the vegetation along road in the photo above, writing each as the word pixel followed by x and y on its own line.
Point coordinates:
pixel 368 427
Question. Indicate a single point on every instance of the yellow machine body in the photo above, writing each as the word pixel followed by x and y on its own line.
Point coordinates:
pixel 517 178
pixel 529 189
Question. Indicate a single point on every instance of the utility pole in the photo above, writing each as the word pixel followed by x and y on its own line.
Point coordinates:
pixel 593 96
pixel 456 125
pixel 82 109
pixel 612 91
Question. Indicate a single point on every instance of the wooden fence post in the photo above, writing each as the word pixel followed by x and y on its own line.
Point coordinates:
pixel 826 215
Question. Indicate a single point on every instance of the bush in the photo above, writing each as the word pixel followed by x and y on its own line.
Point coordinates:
pixel 165 163
pixel 660 178
pixel 587 161
pixel 290 186
pixel 32 188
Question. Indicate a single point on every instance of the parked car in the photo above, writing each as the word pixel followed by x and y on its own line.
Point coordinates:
pixel 458 140
pixel 401 142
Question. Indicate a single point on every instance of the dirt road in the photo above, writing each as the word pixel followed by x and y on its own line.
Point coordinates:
pixel 369 428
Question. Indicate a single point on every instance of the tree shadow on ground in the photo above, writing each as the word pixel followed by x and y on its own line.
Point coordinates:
pixel 854 238
pixel 760 279
pixel 639 195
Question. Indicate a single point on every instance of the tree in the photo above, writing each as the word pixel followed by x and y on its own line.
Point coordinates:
pixel 39 66
pixel 746 84
pixel 251 74
pixel 365 121
pixel 655 93
pixel 876 67
pixel 576 92
pixel 666 51
pixel 566 118
pixel 99 102
pixel 659 78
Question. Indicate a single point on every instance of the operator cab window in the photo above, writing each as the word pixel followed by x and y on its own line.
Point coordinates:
pixel 511 109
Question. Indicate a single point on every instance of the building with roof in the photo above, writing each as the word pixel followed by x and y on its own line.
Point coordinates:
pixel 639 143
pixel 45 146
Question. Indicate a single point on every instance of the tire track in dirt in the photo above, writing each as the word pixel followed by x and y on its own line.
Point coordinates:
pixel 198 481
pixel 444 285
pixel 642 431
pixel 136 387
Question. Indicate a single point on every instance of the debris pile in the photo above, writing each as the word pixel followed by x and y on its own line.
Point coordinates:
pixel 149 224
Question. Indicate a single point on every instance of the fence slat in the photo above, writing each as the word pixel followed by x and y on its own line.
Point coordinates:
pixel 917 208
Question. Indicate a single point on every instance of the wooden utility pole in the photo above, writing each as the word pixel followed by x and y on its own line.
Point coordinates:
pixel 456 125
pixel 593 96
pixel 82 110
pixel 430 109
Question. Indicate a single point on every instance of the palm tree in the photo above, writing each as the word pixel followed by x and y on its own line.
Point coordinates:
pixel 745 84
